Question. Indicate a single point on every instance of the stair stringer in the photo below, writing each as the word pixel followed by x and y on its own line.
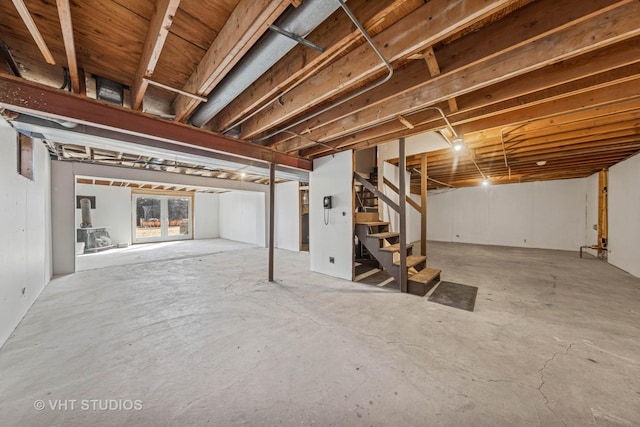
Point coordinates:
pixel 373 246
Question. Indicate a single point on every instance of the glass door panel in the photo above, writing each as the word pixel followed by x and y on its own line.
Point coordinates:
pixel 160 218
pixel 148 218
pixel 179 214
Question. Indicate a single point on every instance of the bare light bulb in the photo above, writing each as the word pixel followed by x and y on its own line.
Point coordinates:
pixel 243 175
pixel 457 143
pixel 485 182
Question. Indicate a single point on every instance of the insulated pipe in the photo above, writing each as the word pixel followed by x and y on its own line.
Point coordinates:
pixel 357 23
pixel 264 55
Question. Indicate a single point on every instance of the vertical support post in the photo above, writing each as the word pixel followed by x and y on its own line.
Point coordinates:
pixel 272 210
pixel 602 211
pixel 423 204
pixel 402 203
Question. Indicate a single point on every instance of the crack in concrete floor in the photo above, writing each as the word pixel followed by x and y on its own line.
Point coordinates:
pixel 425 363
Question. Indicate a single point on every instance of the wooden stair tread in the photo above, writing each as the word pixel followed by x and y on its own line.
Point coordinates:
pixel 395 247
pixel 367 217
pixel 425 275
pixel 372 223
pixel 412 260
pixel 385 235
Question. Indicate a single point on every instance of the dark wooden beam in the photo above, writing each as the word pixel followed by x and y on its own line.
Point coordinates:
pixel 28 97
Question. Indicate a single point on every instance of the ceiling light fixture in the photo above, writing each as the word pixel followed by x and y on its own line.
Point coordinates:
pixel 541 162
pixel 458 143
pixel 485 182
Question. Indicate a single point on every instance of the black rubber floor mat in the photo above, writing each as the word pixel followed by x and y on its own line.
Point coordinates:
pixel 455 295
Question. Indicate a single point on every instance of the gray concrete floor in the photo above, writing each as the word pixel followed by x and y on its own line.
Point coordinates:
pixel 147 252
pixel 206 340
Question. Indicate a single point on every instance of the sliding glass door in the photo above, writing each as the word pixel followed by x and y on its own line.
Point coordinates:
pixel 161 218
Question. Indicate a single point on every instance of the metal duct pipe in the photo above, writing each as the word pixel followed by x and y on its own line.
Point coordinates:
pixel 264 55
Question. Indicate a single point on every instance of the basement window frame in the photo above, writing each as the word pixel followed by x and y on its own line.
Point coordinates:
pixel 25 156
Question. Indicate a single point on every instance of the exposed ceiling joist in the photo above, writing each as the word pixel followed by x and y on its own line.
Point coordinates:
pixel 300 63
pixel 64 13
pixel 474 48
pixel 544 78
pixel 33 30
pixel 401 39
pixel 248 21
pixel 590 102
pixel 157 33
pixel 598 32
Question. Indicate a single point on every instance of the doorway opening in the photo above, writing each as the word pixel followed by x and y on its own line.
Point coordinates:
pixel 159 218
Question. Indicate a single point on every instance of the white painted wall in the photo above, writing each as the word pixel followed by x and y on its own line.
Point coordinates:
pixel 548 215
pixel 287 216
pixel 242 217
pixel 624 215
pixel 332 176
pixel 63 199
pixel 113 210
pixel 416 144
pixel 25 242
pixel 63 206
pixel 206 207
pixel 391 172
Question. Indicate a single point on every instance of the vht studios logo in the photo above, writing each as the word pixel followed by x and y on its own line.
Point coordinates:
pixel 88 405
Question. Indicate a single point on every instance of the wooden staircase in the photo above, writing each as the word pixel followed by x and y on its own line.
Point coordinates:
pixel 383 245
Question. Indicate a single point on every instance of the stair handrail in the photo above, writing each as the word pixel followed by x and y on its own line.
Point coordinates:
pixel 409 200
pixel 369 186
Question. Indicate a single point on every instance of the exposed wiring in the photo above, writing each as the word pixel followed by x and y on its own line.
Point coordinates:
pixel 353 95
pixel 393 119
pixel 312 140
pixel 478 167
pixel 432 180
